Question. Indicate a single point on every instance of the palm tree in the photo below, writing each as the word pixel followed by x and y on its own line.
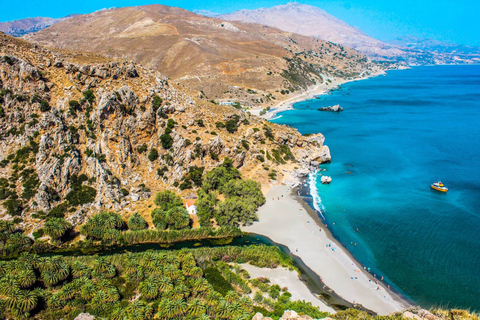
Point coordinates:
pixel 246 304
pixel 111 294
pixel 136 222
pixel 166 309
pixel 213 298
pixel 117 314
pixel 222 311
pixel 195 307
pixel 88 290
pixel 231 296
pixel 235 309
pixel 56 227
pixel 164 285
pixel 179 307
pixel 22 300
pixel 139 310
pixel 183 290
pixel 80 270
pixel 196 273
pixel 148 290
pixel 9 285
pixel 67 292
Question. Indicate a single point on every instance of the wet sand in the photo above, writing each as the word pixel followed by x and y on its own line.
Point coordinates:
pixel 286 220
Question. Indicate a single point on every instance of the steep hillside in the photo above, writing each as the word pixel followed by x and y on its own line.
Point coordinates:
pixel 239 62
pixel 80 133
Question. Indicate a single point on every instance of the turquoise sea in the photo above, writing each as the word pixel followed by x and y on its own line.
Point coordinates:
pixel 398 134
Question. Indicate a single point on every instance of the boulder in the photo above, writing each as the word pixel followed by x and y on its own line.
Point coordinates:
pixel 326 179
pixel 335 108
pixel 85 316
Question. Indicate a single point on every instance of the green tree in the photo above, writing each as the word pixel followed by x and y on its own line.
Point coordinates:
pixel 206 206
pixel 167 200
pixel 235 212
pixel 136 222
pixel 175 218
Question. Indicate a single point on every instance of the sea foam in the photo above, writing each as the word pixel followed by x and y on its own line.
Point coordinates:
pixel 317 201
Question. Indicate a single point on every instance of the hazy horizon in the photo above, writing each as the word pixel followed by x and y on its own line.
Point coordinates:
pixel 441 20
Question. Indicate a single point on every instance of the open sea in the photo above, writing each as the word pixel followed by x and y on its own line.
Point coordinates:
pixel 397 134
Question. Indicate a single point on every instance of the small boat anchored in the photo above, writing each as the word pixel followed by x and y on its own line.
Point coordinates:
pixel 439 186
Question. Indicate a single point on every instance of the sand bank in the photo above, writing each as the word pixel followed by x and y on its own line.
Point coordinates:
pixel 286 221
pixel 287 278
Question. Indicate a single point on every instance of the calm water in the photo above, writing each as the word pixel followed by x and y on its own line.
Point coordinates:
pixel 398 134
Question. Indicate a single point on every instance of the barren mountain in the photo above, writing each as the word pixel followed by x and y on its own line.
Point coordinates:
pixel 21 27
pixel 80 133
pixel 244 62
pixel 313 21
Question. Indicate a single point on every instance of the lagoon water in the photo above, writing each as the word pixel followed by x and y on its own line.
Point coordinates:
pixel 398 134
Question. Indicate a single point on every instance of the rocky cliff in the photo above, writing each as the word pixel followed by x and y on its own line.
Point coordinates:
pixel 80 133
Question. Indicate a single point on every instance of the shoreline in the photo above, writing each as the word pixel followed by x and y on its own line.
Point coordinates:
pixel 287 220
pixel 314 214
pixel 309 94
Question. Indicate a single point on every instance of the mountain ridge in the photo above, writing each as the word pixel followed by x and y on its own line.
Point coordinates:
pixel 221 60
pixel 21 27
pixel 313 21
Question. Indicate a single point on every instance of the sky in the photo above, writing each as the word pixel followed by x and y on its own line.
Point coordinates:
pixel 446 20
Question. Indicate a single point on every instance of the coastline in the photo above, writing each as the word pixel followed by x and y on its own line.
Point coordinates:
pixel 310 93
pixel 288 220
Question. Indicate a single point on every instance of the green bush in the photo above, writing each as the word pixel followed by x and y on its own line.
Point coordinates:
pixel 142 148
pixel 58 211
pixel 14 206
pixel 166 140
pixel 156 103
pixel 231 126
pixel 44 106
pixel 73 106
pixel 81 195
pixel 89 96
pixel 193 176
pixel 153 154
pixel 38 233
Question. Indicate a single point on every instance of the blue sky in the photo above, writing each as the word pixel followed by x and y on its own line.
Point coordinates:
pixel 454 21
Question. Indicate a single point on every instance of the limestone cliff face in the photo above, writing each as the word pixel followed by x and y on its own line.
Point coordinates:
pixel 80 133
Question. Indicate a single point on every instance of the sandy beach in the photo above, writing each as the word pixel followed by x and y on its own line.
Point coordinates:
pixel 285 220
pixel 286 278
